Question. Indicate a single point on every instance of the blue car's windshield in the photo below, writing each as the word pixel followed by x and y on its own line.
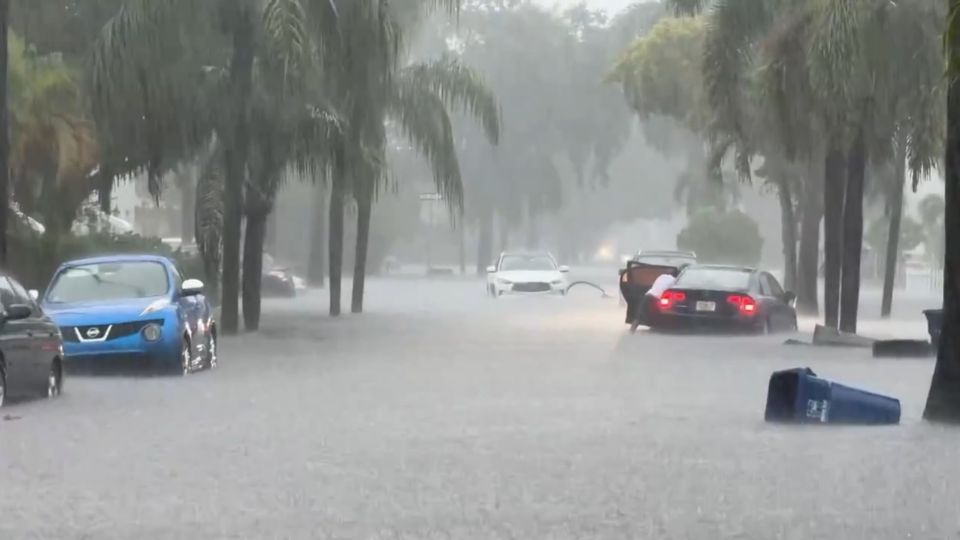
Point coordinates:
pixel 109 281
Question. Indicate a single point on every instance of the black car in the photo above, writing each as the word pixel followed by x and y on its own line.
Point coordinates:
pixel 31 348
pixel 726 297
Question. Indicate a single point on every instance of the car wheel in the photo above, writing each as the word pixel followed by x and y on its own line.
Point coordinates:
pixel 211 356
pixel 55 380
pixel 186 358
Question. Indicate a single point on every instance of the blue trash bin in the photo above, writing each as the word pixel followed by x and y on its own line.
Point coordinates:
pixel 799 396
pixel 934 325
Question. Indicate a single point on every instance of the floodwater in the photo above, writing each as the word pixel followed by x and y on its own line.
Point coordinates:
pixel 444 414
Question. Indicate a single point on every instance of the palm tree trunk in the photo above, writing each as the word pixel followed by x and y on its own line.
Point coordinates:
pixel 485 243
pixel 809 258
pixel 893 235
pixel 834 180
pixel 105 192
pixel 943 401
pixel 253 269
pixel 788 234
pixel 188 204
pixel 270 238
pixel 241 75
pixel 4 133
pixel 317 269
pixel 335 243
pixel 462 240
pixel 853 233
pixel 364 211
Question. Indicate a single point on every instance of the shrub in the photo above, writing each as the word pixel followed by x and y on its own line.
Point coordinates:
pixel 722 237
pixel 34 258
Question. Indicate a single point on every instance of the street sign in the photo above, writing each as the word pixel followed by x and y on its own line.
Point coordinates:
pixel 431 197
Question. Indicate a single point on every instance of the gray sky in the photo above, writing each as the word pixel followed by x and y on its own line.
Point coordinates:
pixel 611 6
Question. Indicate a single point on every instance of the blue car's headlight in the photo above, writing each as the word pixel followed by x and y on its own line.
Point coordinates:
pixel 151 332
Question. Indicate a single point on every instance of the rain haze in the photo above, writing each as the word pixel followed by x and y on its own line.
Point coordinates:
pixel 478 269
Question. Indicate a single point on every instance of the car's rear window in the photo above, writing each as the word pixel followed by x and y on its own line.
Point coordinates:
pixel 664 260
pixel 109 281
pixel 714 278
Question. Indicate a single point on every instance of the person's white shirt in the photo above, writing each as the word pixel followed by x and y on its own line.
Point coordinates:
pixel 661 284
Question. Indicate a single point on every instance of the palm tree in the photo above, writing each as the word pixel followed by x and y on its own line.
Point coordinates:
pixel 4 131
pixel 844 74
pixel 158 59
pixel 54 148
pixel 369 87
pixel 943 401
pixel 418 103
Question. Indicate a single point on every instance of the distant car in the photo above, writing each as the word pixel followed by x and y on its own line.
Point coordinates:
pixel 132 308
pixel 526 273
pixel 642 270
pixel 277 281
pixel 31 352
pixel 726 297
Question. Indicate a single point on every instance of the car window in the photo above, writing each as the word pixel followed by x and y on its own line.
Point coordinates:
pixel 765 288
pixel 664 260
pixel 775 288
pixel 23 297
pixel 733 279
pixel 109 281
pixel 527 262
pixel 8 296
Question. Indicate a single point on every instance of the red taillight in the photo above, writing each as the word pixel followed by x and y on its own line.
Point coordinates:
pixel 744 304
pixel 669 298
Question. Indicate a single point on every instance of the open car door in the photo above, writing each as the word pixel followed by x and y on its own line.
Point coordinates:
pixel 636 279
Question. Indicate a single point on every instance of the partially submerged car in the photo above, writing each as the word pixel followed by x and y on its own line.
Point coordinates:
pixel 642 271
pixel 526 273
pixel 137 309
pixel 31 352
pixel 725 297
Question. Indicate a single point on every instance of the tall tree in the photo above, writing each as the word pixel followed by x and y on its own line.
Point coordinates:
pixel 171 74
pixel 4 131
pixel 943 401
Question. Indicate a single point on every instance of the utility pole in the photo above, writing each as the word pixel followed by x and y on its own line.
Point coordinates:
pixel 431 199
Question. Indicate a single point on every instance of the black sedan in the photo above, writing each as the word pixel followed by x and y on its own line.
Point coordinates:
pixel 726 297
pixel 31 348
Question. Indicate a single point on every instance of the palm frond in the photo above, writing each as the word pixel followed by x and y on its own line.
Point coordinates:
pixel 288 41
pixel 458 87
pixel 423 119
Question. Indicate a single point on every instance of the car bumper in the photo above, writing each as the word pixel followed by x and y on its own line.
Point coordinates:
pixel 131 348
pixel 690 321
pixel 514 289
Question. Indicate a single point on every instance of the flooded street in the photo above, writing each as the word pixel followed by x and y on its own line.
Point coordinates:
pixel 445 414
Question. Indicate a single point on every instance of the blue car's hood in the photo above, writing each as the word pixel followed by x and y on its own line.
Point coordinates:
pixel 89 313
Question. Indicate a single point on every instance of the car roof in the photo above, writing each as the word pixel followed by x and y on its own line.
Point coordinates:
pixel 670 252
pixel 527 253
pixel 133 257
pixel 724 267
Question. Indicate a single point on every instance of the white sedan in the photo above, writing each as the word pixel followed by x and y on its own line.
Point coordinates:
pixel 526 273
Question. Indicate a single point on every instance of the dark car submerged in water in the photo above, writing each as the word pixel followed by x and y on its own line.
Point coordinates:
pixel 726 298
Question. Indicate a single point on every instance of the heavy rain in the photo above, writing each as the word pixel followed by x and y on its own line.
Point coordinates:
pixel 479 269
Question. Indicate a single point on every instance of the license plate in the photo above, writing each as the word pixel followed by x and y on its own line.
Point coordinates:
pixel 706 306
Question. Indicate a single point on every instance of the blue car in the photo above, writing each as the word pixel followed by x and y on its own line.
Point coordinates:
pixel 132 308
